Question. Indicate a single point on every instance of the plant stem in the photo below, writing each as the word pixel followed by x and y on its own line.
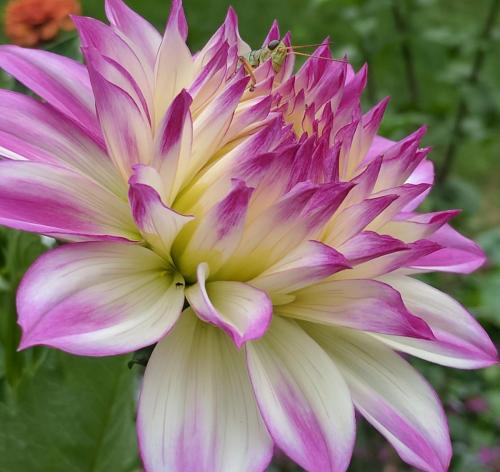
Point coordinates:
pixel 403 28
pixel 472 79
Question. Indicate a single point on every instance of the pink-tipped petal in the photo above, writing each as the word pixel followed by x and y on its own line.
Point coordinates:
pixel 173 144
pixel 68 92
pixel 214 237
pixel 365 305
pixel 309 263
pixel 303 398
pixel 391 395
pixel 139 33
pixel 30 130
pixel 369 245
pixel 197 411
pixel 48 199
pixel 459 254
pixel 159 224
pixel 98 299
pixel 174 69
pixel 125 127
pixel 459 339
pixel 241 310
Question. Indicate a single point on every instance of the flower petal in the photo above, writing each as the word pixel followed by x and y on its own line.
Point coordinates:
pixel 459 339
pixel 174 68
pixel 114 48
pixel 307 264
pixel 139 33
pixel 366 305
pixel 303 398
pixel 391 395
pixel 159 224
pixel 68 92
pixel 214 236
pixel 241 310
pixel 173 144
pixel 197 411
pixel 48 199
pixel 459 254
pixel 98 299
pixel 35 131
pixel 125 127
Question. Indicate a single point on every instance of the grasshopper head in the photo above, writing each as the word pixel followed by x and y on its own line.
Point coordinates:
pixel 278 52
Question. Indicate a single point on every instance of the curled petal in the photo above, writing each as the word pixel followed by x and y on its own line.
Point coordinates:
pixel 241 310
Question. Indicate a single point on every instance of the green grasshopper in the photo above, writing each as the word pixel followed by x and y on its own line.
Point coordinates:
pixel 276 50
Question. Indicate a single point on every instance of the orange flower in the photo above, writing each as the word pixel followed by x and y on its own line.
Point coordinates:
pixel 29 22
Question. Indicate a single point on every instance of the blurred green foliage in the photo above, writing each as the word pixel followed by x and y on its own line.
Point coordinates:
pixel 424 54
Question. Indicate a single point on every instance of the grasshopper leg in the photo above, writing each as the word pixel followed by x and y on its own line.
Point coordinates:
pixel 249 70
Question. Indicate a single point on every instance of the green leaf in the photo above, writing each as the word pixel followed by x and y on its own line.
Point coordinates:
pixel 17 252
pixel 75 414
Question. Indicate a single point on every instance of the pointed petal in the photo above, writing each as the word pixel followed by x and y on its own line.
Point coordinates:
pixel 98 299
pixel 366 305
pixel 125 127
pixel 459 339
pixel 369 245
pixel 197 411
pixel 173 144
pixel 48 199
pixel 391 395
pixel 349 222
pixel 303 398
pixel 241 310
pixel 211 125
pixel 214 236
pixel 139 33
pixel 459 254
pixel 35 131
pixel 159 224
pixel 307 264
pixel 397 258
pixel 69 92
pixel 174 68
pixel 114 48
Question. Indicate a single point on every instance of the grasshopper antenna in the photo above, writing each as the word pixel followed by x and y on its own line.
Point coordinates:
pixel 302 46
pixel 318 57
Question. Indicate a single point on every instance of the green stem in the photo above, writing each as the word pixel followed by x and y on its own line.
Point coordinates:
pixel 473 78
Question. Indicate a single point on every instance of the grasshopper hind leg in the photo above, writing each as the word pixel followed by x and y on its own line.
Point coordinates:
pixel 249 70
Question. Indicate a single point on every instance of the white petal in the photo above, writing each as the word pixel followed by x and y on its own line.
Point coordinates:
pixel 460 341
pixel 197 412
pixel 391 395
pixel 303 398
pixel 98 299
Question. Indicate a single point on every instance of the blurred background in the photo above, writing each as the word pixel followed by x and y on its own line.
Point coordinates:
pixel 439 61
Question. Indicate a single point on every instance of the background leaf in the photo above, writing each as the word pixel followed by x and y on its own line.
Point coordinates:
pixel 73 415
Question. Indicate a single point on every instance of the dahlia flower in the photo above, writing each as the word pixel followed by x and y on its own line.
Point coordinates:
pixel 263 236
